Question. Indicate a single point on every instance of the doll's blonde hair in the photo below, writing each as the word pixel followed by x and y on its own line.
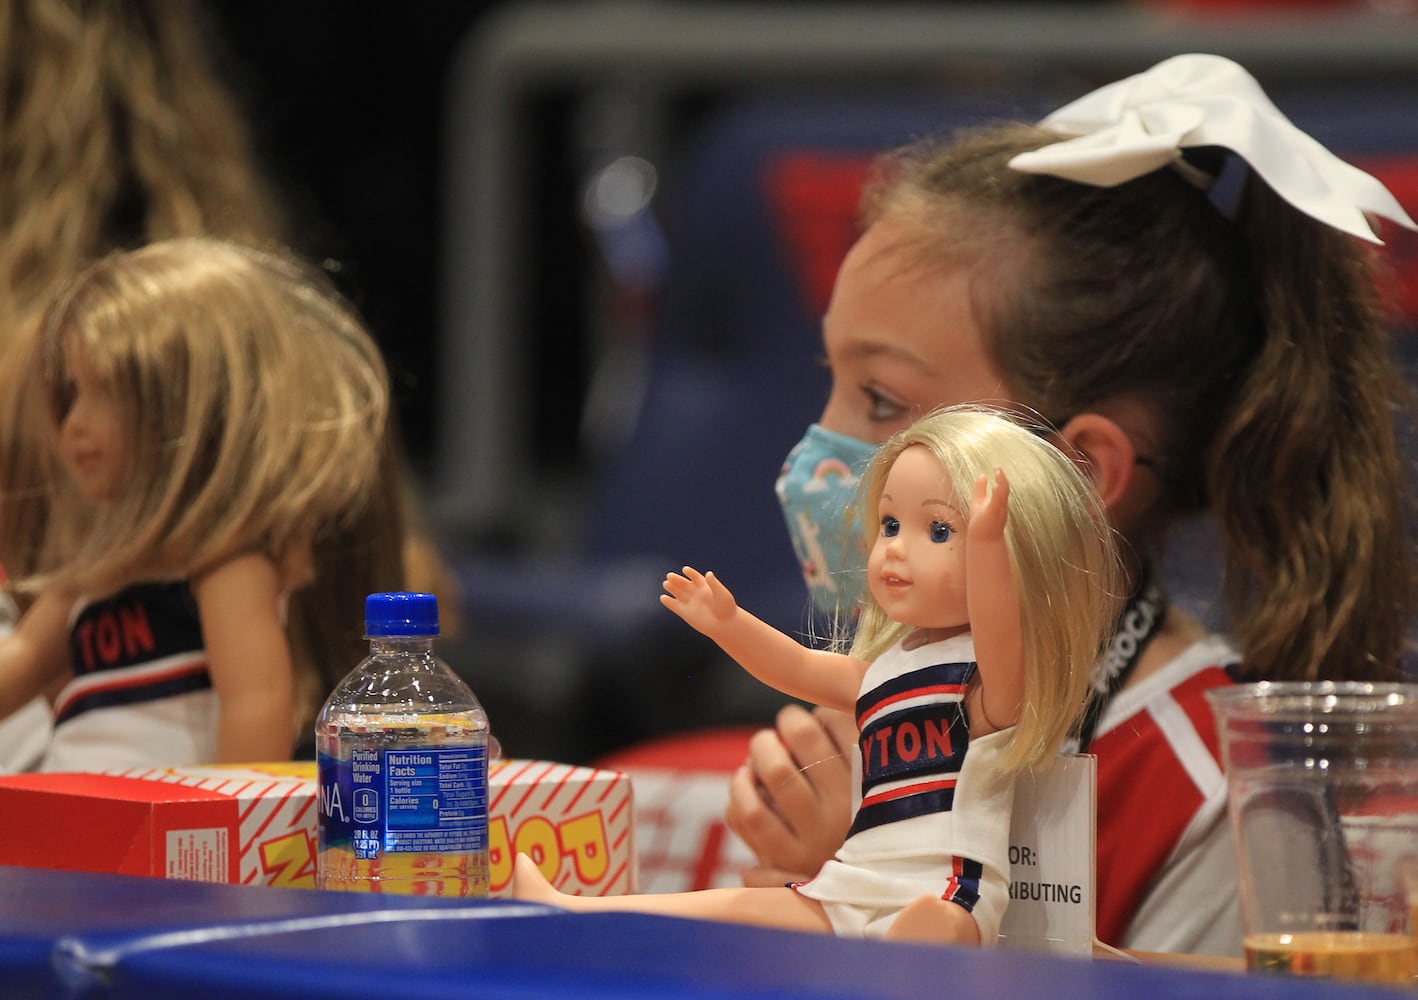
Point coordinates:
pixel 1062 552
pixel 253 404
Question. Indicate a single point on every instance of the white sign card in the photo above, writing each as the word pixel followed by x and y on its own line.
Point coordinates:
pixel 1052 856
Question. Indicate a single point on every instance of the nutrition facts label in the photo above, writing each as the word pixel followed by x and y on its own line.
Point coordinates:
pixel 435 799
pixel 405 800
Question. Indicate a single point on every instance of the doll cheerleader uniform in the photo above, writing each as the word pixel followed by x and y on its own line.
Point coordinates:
pixel 935 808
pixel 141 695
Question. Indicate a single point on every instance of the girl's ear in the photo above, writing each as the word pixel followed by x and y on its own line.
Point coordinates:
pixel 1111 462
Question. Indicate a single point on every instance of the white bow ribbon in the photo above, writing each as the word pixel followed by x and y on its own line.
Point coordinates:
pixel 1137 125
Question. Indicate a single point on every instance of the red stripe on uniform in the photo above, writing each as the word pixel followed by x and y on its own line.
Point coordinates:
pixel 123 683
pixel 1143 827
pixel 920 692
pixel 902 792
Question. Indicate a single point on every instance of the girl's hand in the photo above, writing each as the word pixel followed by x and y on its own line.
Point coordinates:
pixel 989 509
pixel 791 801
pixel 700 599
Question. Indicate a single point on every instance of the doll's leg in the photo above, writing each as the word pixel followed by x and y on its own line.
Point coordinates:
pixel 762 907
pixel 934 920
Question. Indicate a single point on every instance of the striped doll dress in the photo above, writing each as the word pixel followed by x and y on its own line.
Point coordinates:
pixel 935 807
pixel 141 695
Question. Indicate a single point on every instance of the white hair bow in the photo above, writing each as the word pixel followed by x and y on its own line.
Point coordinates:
pixel 1137 125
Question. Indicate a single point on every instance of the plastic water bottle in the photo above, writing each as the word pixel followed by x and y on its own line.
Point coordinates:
pixel 403 757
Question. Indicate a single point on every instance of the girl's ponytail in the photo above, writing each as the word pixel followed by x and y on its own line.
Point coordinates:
pixel 1306 476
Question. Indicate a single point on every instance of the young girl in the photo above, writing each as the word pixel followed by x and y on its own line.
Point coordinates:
pixel 214 411
pixel 1207 344
pixel 993 581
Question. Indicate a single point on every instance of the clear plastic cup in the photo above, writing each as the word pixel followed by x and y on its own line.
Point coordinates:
pixel 1323 790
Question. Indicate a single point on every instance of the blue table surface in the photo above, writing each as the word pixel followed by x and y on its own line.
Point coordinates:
pixel 69 934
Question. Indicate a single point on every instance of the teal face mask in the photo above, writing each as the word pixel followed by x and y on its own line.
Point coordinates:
pixel 817 489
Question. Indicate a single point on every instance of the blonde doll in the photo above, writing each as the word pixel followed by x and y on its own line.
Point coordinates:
pixel 993 584
pixel 214 410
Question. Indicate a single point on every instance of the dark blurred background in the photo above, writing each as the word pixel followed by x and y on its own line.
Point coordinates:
pixel 348 100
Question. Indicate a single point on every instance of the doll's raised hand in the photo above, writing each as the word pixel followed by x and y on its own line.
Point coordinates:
pixel 822 677
pixel 700 599
pixel 989 508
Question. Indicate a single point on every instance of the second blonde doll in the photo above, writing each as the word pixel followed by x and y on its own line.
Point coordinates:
pixel 215 411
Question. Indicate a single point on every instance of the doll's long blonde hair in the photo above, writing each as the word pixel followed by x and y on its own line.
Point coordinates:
pixel 1062 551
pixel 253 404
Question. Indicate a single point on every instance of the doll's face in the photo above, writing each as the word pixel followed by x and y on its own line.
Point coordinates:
pixel 901 339
pixel 91 439
pixel 916 569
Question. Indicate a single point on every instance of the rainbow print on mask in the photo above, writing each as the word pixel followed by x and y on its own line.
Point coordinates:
pixel 816 489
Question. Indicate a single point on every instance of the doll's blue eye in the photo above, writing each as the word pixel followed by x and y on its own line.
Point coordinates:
pixel 940 531
pixel 890 527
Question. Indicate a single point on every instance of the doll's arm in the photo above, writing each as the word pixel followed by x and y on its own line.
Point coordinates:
pixel 992 603
pixel 249 659
pixel 818 676
pixel 36 653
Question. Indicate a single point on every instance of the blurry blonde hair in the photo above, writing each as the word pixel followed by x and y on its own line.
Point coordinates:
pixel 114 130
pixel 1062 552
pixel 117 129
pixel 253 404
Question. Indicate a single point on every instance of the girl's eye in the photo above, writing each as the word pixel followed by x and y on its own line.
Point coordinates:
pixel 881 407
pixel 890 527
pixel 941 532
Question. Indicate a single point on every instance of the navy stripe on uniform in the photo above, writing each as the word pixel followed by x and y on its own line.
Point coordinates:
pixel 908 806
pixel 964 887
pixel 195 680
pixel 924 680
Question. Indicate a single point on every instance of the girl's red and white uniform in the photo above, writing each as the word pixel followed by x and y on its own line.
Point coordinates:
pixel 1166 859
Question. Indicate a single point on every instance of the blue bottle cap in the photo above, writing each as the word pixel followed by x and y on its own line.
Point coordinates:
pixel 401 614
